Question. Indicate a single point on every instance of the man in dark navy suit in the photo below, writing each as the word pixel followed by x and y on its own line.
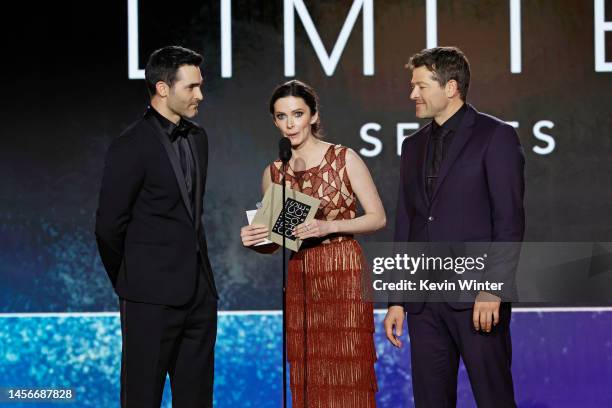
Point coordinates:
pixel 152 243
pixel 461 180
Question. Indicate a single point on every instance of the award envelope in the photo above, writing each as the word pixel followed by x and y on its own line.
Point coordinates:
pixel 299 208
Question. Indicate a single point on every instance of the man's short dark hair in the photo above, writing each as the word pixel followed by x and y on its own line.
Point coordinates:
pixel 445 63
pixel 165 62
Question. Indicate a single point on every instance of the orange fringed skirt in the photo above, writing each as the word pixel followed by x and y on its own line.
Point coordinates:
pixel 339 367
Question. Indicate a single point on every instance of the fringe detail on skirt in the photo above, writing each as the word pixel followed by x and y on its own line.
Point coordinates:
pixel 339 368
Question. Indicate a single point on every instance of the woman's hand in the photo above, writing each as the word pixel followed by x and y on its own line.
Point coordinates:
pixel 314 229
pixel 253 234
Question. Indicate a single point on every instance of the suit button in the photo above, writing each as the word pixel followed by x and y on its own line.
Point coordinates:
pixel 430 218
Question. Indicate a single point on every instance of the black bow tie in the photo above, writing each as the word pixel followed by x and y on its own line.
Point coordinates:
pixel 182 130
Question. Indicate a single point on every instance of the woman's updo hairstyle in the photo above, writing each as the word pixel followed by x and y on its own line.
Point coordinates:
pixel 299 89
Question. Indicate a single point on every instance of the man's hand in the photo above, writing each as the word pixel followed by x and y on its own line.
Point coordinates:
pixel 394 319
pixel 486 312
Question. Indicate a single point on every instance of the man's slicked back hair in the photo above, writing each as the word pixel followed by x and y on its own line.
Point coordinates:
pixel 164 63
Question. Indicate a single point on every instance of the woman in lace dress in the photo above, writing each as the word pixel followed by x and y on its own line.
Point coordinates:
pixel 330 327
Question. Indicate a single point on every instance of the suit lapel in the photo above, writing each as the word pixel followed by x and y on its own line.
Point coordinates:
pixel 174 161
pixel 423 166
pixel 462 136
pixel 193 144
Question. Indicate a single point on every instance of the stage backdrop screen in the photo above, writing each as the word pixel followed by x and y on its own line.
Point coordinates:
pixel 76 84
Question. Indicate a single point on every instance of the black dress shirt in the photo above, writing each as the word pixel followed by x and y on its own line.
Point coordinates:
pixel 440 141
pixel 178 138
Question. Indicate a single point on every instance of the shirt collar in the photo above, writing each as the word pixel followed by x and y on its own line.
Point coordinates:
pixel 451 123
pixel 170 129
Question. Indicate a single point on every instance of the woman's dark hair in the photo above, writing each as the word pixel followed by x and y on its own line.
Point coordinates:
pixel 165 62
pixel 299 89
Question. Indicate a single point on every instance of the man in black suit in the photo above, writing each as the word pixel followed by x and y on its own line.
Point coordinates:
pixel 461 180
pixel 152 243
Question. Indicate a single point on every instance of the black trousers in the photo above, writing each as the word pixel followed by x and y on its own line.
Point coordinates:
pixel 160 340
pixel 439 336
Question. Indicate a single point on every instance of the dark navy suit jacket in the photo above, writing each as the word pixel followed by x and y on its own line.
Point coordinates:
pixel 479 192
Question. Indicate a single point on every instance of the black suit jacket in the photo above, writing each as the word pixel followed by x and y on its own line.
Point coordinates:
pixel 148 237
pixel 478 196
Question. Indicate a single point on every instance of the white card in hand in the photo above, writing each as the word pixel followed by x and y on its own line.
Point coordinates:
pixel 250 215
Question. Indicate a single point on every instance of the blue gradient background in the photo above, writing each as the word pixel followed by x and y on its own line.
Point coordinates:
pixel 561 359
